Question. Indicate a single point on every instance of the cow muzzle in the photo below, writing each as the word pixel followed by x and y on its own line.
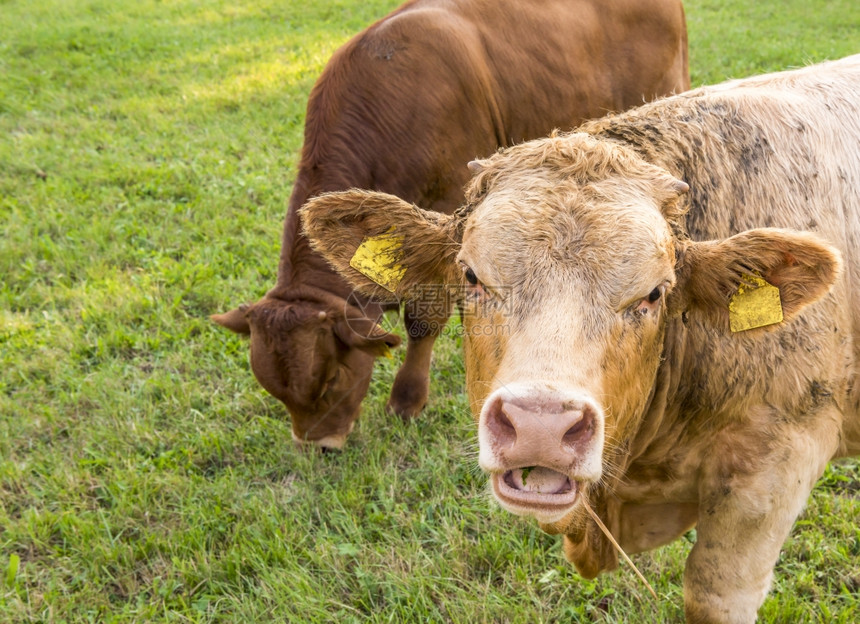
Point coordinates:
pixel 330 442
pixel 540 444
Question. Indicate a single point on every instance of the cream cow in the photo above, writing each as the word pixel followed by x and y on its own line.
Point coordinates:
pixel 661 318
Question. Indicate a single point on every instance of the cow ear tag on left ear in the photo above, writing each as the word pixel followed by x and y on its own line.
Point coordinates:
pixel 379 257
pixel 755 304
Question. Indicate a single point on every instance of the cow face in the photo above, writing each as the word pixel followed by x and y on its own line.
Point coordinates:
pixel 572 256
pixel 563 350
pixel 315 358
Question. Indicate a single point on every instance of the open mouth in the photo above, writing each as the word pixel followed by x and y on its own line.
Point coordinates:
pixel 535 489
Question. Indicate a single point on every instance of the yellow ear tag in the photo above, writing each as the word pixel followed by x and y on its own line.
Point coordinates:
pixel 388 354
pixel 756 304
pixel 378 258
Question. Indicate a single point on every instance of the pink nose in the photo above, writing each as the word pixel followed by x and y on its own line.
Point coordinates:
pixel 540 431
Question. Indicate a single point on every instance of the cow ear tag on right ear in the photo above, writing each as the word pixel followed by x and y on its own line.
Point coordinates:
pixel 378 258
pixel 755 304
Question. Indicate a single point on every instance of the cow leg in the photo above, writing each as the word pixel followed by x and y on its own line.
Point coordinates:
pixel 424 322
pixel 745 516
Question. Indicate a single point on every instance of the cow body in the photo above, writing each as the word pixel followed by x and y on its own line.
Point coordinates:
pixel 614 259
pixel 402 108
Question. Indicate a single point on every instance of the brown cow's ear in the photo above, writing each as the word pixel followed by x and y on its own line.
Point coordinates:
pixel 234 320
pixel 366 335
pixel 383 246
pixel 800 264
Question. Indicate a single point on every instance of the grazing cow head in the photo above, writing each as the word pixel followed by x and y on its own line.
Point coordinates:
pixel 316 357
pixel 573 258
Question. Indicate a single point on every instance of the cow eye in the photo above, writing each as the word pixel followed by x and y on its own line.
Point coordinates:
pixel 327 385
pixel 470 276
pixel 649 304
pixel 475 291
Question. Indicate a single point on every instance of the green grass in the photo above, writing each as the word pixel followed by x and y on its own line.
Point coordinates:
pixel 147 150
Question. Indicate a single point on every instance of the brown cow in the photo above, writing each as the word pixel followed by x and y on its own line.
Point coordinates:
pixel 661 325
pixel 402 108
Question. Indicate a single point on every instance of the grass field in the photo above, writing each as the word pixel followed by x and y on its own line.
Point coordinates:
pixel 147 150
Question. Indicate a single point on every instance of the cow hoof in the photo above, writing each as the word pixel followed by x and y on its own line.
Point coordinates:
pixel 408 395
pixel 407 404
pixel 404 409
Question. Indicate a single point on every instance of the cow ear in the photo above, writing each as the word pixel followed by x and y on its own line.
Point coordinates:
pixel 383 246
pixel 234 320
pixel 366 335
pixel 801 265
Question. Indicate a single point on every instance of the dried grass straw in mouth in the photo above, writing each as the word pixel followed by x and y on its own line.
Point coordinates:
pixel 617 547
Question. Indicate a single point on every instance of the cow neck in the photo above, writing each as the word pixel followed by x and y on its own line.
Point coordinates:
pixel 667 384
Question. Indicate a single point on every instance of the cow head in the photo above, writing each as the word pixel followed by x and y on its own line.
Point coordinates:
pixel 316 357
pixel 573 260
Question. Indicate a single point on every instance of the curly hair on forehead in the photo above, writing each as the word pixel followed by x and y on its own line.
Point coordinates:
pixel 579 158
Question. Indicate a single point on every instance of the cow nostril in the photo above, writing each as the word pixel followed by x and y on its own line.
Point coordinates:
pixel 502 428
pixel 580 431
